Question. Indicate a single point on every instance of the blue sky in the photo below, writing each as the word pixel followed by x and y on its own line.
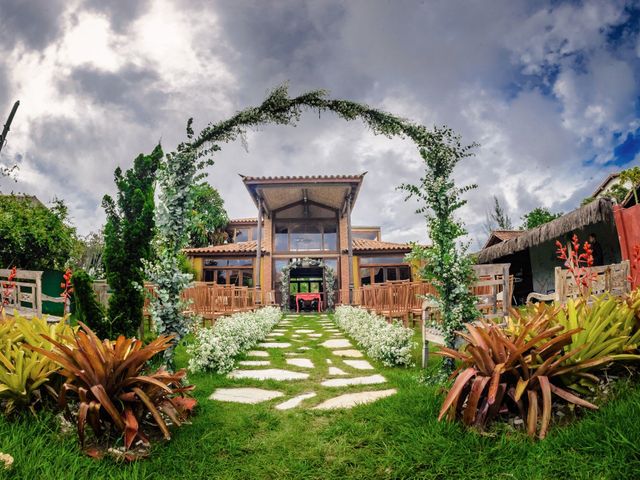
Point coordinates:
pixel 550 91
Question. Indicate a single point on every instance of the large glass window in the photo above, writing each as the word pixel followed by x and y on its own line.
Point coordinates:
pixel 305 237
pixel 330 237
pixel 365 234
pixel 380 274
pixel 243 234
pixel 381 260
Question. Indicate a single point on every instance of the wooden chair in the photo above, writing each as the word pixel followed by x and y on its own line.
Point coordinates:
pixel 396 302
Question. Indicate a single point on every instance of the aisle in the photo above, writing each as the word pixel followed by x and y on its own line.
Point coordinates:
pixel 305 362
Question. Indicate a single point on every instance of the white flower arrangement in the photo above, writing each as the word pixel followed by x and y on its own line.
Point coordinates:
pixel 390 343
pixel 216 348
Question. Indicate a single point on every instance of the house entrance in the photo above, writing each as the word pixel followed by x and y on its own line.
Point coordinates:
pixel 306 280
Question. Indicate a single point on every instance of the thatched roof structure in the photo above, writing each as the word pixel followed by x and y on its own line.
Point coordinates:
pixel 600 210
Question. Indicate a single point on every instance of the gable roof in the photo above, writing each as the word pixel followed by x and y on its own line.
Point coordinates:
pixel 498 236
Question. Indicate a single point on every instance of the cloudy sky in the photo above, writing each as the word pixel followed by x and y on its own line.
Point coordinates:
pixel 550 91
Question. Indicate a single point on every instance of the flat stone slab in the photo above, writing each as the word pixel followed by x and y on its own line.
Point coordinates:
pixel 276 334
pixel 304 348
pixel 329 362
pixel 257 353
pixel 315 335
pixel 254 363
pixel 348 353
pixel 350 400
pixel 292 354
pixel 345 382
pixel 274 345
pixel 244 395
pixel 332 330
pixel 279 330
pixel 336 343
pixel 295 401
pixel 300 362
pixel 359 364
pixel 337 371
pixel 305 331
pixel 295 335
pixel 269 374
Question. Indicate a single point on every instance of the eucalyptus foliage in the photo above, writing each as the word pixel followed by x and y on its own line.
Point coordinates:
pixel 445 262
pixel 179 171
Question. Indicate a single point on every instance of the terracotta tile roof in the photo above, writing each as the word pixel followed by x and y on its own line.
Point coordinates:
pixel 243 220
pixel 364 245
pixel 359 245
pixel 303 177
pixel 239 247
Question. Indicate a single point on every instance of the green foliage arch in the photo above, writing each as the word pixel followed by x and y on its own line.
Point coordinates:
pixel 179 168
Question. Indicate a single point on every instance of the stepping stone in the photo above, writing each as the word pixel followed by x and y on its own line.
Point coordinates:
pixel 304 348
pixel 276 334
pixel 300 362
pixel 345 382
pixel 359 364
pixel 295 401
pixel 315 335
pixel 329 362
pixel 337 371
pixel 279 330
pixel 295 335
pixel 350 400
pixel 292 354
pixel 254 363
pixel 244 395
pixel 274 345
pixel 257 353
pixel 337 343
pixel 332 330
pixel 348 353
pixel 305 331
pixel 269 374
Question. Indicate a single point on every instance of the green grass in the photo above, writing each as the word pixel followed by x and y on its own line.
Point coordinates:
pixel 397 437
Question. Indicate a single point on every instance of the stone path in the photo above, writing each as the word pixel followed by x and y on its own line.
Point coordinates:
pixel 313 362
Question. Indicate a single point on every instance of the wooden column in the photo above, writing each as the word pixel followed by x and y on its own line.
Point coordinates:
pixel 259 250
pixel 350 249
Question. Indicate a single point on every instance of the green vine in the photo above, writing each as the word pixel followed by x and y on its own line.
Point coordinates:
pixel 195 153
pixel 446 263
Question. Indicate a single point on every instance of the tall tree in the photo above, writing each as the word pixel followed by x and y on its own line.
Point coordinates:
pixel 128 234
pixel 538 216
pixel 34 237
pixel 497 218
pixel 208 216
pixel 446 263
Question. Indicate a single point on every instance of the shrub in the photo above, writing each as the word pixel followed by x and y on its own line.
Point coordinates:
pixel 607 330
pixel 23 372
pixel 88 309
pixel 215 348
pixel 504 372
pixel 391 343
pixel 106 378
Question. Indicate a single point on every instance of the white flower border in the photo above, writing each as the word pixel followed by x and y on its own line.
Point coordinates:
pixel 390 343
pixel 216 348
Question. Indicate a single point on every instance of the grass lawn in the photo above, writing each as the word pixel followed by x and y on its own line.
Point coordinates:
pixel 396 437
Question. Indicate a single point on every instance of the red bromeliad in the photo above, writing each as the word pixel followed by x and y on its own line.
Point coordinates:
pixel 7 288
pixel 67 289
pixel 578 264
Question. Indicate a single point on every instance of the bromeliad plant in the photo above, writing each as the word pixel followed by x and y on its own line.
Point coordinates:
pixel 113 392
pixel 25 374
pixel 501 372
